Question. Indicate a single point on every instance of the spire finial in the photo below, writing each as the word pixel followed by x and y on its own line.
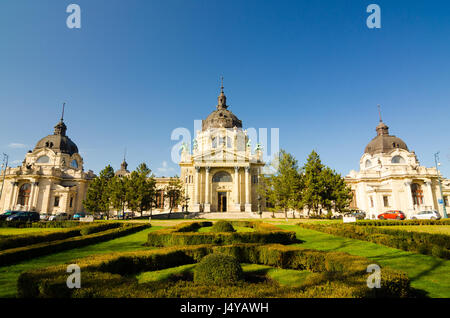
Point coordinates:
pixel 221 86
pixel 379 112
pixel 124 154
pixel 62 115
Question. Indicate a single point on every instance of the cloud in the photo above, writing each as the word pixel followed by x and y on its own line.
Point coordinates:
pixel 17 145
pixel 165 169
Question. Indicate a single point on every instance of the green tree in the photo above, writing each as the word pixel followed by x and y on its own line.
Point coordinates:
pixel 175 192
pixel 141 189
pixel 284 188
pixel 118 188
pixel 313 191
pixel 98 197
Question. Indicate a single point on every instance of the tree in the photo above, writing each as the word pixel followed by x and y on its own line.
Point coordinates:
pixel 118 190
pixel 98 195
pixel 283 189
pixel 141 189
pixel 323 187
pixel 174 191
pixel 312 196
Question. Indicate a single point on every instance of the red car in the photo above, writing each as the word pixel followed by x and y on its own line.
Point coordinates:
pixel 392 215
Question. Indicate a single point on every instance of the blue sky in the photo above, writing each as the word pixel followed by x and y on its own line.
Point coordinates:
pixel 136 70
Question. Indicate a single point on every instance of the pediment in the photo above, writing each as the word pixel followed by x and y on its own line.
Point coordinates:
pixel 220 155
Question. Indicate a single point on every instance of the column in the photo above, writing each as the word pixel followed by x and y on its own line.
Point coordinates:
pixel 207 191
pixel 237 204
pixel 12 197
pixel 248 204
pixel 409 199
pixel 430 201
pixel 197 190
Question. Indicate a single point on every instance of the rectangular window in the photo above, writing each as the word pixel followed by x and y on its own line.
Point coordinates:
pixel 56 203
pixel 371 202
pixel 446 201
pixel 71 202
pixel 386 201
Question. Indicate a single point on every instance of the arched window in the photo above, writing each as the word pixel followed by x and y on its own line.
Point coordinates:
pixel 398 159
pixel 417 194
pixel 24 194
pixel 222 176
pixel 74 164
pixel 43 159
pixel 368 163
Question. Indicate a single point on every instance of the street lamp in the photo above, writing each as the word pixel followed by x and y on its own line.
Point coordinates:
pixel 436 160
pixel 4 166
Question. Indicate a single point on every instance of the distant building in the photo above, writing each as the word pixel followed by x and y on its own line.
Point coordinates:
pixel 390 177
pixel 51 179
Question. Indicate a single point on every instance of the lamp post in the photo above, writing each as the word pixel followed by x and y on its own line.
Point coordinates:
pixel 436 160
pixel 4 166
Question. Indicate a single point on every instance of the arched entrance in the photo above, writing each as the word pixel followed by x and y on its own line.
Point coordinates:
pixel 222 201
pixel 221 181
pixel 417 194
pixel 24 194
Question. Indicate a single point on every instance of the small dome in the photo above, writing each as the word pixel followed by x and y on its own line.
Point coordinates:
pixel 58 142
pixel 383 142
pixel 222 117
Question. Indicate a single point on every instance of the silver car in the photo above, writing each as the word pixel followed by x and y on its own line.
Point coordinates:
pixel 426 215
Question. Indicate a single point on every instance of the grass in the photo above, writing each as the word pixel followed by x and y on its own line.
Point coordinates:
pixel 427 273
pixel 285 277
pixel 433 229
pixel 10 274
pixel 5 231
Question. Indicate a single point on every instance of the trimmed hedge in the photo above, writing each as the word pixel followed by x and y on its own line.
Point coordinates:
pixel 222 226
pixel 437 245
pixel 341 270
pixel 218 269
pixel 404 222
pixel 20 254
pixel 184 234
pixel 15 241
pixel 42 224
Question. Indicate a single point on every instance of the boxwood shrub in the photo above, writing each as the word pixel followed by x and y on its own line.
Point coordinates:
pixel 346 273
pixel 424 243
pixel 14 241
pixel 184 234
pixel 15 255
pixel 222 226
pixel 218 269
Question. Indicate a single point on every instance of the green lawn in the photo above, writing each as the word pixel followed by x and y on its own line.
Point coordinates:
pixel 10 274
pixel 427 273
pixel 285 277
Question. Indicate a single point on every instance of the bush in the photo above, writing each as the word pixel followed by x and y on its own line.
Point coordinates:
pixel 423 243
pixel 222 226
pixel 19 254
pixel 184 234
pixel 218 269
pixel 344 273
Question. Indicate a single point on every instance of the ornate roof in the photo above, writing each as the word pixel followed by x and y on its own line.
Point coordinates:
pixel 383 142
pixel 58 142
pixel 221 117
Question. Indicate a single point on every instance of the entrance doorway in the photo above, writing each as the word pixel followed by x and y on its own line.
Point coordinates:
pixel 222 201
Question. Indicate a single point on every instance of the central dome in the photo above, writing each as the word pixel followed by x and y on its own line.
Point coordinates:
pixel 222 117
pixel 58 142
pixel 383 142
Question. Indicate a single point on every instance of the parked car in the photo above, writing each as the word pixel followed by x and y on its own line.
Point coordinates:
pixel 8 213
pixel 128 215
pixel 392 215
pixel 79 215
pixel 44 216
pixel 63 216
pixel 25 217
pixel 359 215
pixel 427 215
